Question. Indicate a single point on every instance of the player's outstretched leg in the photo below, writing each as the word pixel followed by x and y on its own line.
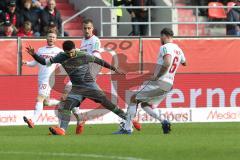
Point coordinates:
pixel 102 99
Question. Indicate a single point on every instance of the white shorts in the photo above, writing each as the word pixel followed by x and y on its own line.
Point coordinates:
pixel 44 89
pixel 153 92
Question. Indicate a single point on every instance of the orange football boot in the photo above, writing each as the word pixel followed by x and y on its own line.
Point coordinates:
pixel 80 128
pixel 29 122
pixel 57 131
pixel 136 125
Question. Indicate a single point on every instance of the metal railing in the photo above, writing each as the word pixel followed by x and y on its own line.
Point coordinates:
pixel 150 22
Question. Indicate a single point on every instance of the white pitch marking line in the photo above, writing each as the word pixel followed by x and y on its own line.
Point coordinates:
pixel 71 155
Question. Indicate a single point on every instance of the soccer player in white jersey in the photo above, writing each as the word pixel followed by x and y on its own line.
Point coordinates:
pixel 92 45
pixel 154 91
pixel 46 78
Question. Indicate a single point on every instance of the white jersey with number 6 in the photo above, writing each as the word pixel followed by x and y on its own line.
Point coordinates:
pixel 177 57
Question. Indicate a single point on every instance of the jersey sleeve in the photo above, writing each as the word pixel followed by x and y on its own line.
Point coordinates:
pixel 32 63
pixel 89 58
pixel 60 58
pixel 163 51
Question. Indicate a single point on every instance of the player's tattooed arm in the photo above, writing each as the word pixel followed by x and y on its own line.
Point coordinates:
pixel 164 67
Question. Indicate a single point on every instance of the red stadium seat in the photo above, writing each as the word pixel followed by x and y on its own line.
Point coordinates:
pixel 218 13
pixel 230 5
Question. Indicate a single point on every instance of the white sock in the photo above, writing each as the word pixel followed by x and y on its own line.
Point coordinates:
pixel 131 113
pixel 152 113
pixel 37 111
pixel 60 106
pixel 52 102
pixel 76 112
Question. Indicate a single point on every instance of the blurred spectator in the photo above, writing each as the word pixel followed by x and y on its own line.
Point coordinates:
pixel 50 14
pixel 39 5
pixel 8 30
pixel 26 30
pixel 234 16
pixel 11 14
pixel 52 27
pixel 3 5
pixel 139 15
pixel 43 3
pixel 28 13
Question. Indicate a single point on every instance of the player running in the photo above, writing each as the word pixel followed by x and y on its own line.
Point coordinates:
pixel 46 78
pixel 76 64
pixel 154 91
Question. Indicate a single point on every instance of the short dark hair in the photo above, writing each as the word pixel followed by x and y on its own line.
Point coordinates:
pixel 167 32
pixel 86 21
pixel 68 45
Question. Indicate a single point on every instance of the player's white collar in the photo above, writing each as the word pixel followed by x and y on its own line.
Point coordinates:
pixel 47 46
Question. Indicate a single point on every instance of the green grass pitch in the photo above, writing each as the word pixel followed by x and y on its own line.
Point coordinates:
pixel 189 141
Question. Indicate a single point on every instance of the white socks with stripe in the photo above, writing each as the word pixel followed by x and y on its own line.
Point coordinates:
pixel 37 111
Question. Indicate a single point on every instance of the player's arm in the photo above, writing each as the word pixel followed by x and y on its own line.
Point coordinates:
pixel 183 60
pixel 57 59
pixel 104 64
pixel 164 68
pixel 29 63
